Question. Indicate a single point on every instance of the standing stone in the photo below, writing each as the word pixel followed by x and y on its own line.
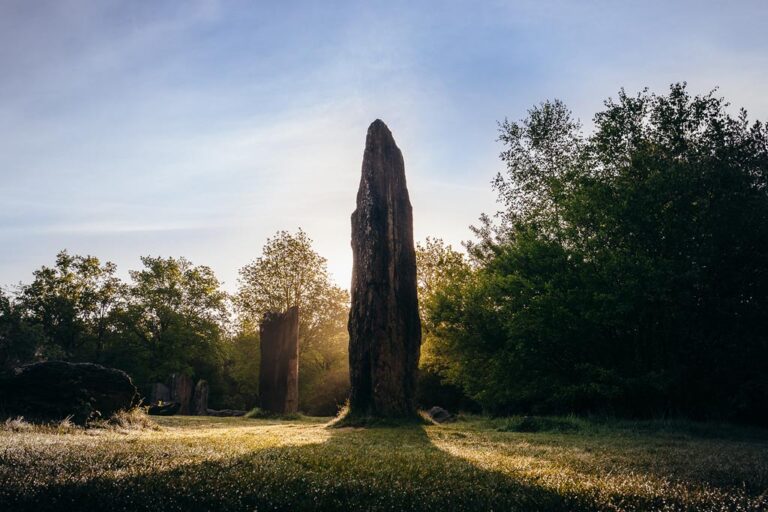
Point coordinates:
pixel 160 393
pixel 384 325
pixel 200 401
pixel 279 373
pixel 181 392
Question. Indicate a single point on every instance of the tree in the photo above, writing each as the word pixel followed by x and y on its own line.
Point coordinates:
pixel 290 273
pixel 438 264
pixel 540 153
pixel 176 313
pixel 440 272
pixel 73 302
pixel 627 271
pixel 439 268
pixel 241 370
pixel 20 342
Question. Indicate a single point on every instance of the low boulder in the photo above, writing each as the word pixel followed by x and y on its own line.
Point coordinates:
pixel 440 415
pixel 164 409
pixel 54 390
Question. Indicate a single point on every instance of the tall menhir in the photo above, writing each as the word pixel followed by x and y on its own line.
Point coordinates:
pixel 384 325
pixel 279 370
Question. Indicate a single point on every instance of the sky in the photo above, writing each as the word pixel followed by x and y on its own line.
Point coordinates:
pixel 200 128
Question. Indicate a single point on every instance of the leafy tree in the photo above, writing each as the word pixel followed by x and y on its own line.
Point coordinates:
pixel 540 153
pixel 172 318
pixel 440 269
pixel 290 273
pixel 73 302
pixel 627 271
pixel 176 314
pixel 241 366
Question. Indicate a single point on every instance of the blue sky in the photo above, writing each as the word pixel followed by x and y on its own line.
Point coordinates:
pixel 200 128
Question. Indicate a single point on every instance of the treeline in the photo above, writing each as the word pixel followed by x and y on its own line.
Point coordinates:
pixel 173 317
pixel 626 273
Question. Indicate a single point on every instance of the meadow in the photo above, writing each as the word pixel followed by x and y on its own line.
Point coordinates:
pixel 476 463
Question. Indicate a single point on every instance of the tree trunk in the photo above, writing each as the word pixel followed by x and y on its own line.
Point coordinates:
pixel 279 373
pixel 384 324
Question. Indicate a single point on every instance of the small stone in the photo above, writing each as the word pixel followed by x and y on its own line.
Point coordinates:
pixel 440 415
pixel 164 409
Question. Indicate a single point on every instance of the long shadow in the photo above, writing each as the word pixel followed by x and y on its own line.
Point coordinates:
pixel 343 473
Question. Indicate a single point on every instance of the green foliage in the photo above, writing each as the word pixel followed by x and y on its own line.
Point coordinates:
pixel 73 302
pixel 290 273
pixel 170 318
pixel 20 340
pixel 627 272
pixel 241 370
pixel 439 266
pixel 324 378
pixel 174 319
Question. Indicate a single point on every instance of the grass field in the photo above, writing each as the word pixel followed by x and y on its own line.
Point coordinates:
pixel 193 463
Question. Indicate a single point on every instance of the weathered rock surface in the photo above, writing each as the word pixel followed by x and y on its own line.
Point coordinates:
pixel 384 325
pixel 200 401
pixel 279 367
pixel 440 415
pixel 54 390
pixel 181 392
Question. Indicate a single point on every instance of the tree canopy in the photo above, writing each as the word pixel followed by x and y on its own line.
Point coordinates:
pixel 626 272
pixel 291 273
pixel 72 302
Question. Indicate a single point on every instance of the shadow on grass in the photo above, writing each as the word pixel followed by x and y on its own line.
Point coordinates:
pixel 395 469
pixel 184 423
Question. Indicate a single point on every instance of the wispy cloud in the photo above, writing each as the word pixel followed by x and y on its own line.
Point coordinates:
pixel 200 128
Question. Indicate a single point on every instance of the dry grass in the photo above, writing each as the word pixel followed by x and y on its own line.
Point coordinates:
pixel 122 421
pixel 17 424
pixel 135 419
pixel 477 464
